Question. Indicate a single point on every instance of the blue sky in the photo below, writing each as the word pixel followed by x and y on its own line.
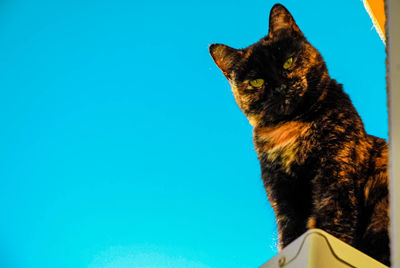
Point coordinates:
pixel 121 144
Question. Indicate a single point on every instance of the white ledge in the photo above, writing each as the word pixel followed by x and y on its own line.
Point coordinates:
pixel 318 249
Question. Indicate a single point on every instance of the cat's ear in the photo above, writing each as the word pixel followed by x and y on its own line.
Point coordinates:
pixel 225 57
pixel 281 19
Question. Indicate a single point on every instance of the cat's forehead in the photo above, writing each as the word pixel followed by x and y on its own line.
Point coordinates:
pixel 262 50
pixel 272 48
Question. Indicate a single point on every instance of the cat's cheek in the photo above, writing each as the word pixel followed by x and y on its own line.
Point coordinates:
pixel 236 94
pixel 301 86
pixel 243 101
pixel 254 120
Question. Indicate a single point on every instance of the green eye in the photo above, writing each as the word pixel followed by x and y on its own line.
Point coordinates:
pixel 257 82
pixel 288 63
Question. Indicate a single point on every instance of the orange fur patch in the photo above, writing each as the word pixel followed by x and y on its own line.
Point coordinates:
pixel 281 141
pixel 311 223
pixel 282 134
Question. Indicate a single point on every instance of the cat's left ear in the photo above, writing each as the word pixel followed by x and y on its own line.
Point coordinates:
pixel 225 57
pixel 281 19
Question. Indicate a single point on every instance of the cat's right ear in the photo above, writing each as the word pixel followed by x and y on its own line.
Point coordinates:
pixel 225 57
pixel 281 19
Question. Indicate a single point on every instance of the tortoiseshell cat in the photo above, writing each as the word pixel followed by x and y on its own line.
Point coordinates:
pixel 319 167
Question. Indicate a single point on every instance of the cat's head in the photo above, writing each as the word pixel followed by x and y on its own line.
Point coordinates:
pixel 276 77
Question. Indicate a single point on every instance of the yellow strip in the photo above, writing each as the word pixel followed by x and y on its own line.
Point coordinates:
pixel 376 10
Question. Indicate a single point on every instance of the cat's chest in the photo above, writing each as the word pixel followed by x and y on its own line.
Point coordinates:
pixel 283 144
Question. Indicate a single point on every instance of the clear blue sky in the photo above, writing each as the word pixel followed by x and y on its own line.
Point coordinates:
pixel 121 144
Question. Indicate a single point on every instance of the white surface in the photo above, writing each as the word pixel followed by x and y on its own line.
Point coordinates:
pixel 318 249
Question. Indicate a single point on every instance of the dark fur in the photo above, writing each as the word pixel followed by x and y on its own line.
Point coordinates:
pixel 319 167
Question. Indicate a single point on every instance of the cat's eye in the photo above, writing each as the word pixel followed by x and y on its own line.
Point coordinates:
pixel 288 63
pixel 257 82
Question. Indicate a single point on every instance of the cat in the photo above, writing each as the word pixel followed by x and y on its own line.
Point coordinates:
pixel 319 167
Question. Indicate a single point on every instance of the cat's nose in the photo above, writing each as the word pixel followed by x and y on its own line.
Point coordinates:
pixel 281 88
